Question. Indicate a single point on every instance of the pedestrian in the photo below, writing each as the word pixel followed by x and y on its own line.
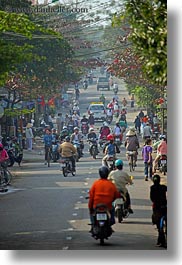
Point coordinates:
pixel 29 136
pixel 137 123
pixel 147 159
pixel 159 199
pixel 59 122
pixel 147 132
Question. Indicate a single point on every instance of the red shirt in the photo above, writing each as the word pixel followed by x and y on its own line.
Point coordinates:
pixel 102 191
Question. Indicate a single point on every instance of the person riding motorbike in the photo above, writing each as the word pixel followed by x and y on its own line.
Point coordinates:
pixel 110 149
pixel 102 191
pixel 92 136
pixel 115 87
pixel 158 196
pixel 3 159
pixel 76 109
pixel 64 133
pixel 102 99
pixel 76 136
pixel 161 150
pixel 76 119
pixel 85 84
pixel 132 144
pixel 84 120
pixel 117 131
pixel 104 130
pixel 120 178
pixel 47 143
pixel 67 150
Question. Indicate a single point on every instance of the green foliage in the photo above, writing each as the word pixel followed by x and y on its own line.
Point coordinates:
pixel 148 24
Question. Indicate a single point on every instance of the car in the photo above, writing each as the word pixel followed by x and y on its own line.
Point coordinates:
pixel 98 109
pixel 103 82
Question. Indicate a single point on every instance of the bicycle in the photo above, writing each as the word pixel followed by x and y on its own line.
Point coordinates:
pixel 131 160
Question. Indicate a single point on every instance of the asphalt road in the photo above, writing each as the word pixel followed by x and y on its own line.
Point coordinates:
pixel 44 210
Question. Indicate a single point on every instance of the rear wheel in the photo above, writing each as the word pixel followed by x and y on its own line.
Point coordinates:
pixel 120 215
pixel 8 176
pixel 65 172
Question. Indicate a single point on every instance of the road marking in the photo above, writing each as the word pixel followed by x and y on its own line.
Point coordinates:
pixel 86 183
pixel 79 202
pixel 81 197
pixel 74 214
pixel 65 248
pixel 76 208
pixel 70 229
pixel 72 221
pixel 68 238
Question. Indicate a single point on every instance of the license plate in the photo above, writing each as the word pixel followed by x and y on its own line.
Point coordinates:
pixel 163 162
pixel 130 152
pixel 101 216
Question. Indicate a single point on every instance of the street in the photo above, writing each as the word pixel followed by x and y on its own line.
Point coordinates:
pixel 44 210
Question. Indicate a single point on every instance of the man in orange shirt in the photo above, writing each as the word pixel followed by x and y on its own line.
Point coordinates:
pixel 103 191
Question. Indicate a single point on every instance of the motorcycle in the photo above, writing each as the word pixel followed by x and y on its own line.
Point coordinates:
pixel 109 119
pixel 77 146
pixel 163 164
pixel 55 154
pixel 117 140
pixel 93 147
pixel 111 163
pixel 102 141
pixel 101 228
pixel 155 133
pixel 121 209
pixel 66 167
pixel 84 128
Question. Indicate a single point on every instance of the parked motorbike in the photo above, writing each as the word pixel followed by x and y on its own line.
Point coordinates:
pixel 66 166
pixel 84 128
pixel 163 164
pixel 93 147
pixel 101 228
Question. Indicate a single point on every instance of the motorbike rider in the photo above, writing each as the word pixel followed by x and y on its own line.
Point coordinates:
pixel 102 99
pixel 91 119
pixel 18 150
pixel 104 131
pixel 132 144
pixel 84 120
pixel 117 131
pixel 76 119
pixel 64 133
pixel 158 197
pixel 147 132
pixel 121 178
pixel 115 87
pixel 92 136
pixel 85 84
pixel 161 150
pixel 76 109
pixel 110 149
pixel 102 191
pixel 76 136
pixel 3 159
pixel 67 150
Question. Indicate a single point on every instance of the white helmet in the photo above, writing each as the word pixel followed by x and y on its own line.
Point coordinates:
pixel 105 123
pixel 64 127
pixel 91 130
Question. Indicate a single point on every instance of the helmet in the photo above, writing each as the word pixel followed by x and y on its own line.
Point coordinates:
pixel 75 104
pixel 105 123
pixel 76 128
pixel 84 116
pixel 110 137
pixel 103 172
pixel 91 130
pixel 67 138
pixel 162 136
pixel 156 179
pixel 64 127
pixel 118 162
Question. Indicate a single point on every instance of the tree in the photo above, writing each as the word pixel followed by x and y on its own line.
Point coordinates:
pixel 148 33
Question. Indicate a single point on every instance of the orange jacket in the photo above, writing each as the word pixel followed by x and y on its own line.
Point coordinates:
pixel 102 191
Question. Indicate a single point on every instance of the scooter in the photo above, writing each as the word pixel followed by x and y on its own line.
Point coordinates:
pixel 84 128
pixel 77 146
pixel 55 154
pixel 93 147
pixel 163 164
pixel 101 228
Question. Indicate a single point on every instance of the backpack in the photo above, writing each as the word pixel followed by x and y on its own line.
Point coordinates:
pixel 111 149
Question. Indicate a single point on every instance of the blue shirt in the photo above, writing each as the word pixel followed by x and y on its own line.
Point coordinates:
pixel 48 139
